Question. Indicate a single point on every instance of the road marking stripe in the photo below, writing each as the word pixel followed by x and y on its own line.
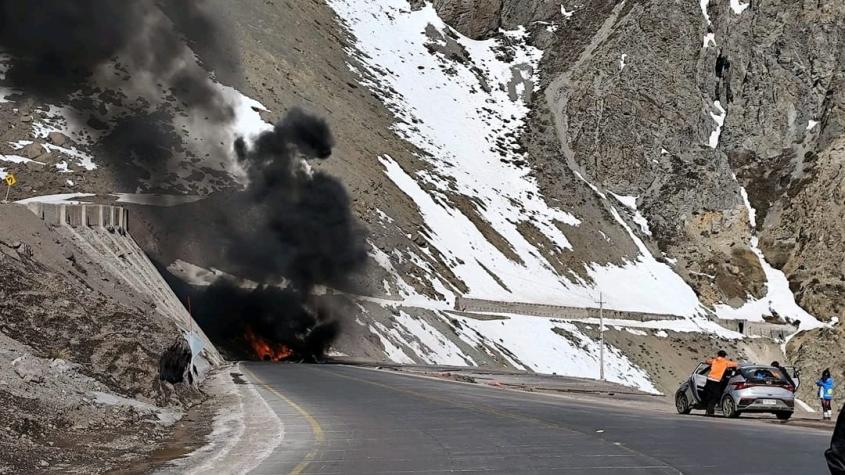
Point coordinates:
pixel 316 429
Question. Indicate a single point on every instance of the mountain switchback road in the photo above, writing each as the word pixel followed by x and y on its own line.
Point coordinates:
pixel 348 420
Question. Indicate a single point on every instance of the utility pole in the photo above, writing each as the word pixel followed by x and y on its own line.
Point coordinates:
pixel 601 333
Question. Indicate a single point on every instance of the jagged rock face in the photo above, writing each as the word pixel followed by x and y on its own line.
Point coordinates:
pixel 473 18
pixel 778 87
pixel 479 19
pixel 631 88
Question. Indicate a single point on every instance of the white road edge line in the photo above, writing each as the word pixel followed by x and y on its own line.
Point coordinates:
pixel 227 450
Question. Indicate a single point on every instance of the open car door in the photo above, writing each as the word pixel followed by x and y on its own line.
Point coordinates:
pixel 698 379
pixel 793 376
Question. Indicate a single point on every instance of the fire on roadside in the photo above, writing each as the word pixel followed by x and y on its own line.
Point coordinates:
pixel 265 350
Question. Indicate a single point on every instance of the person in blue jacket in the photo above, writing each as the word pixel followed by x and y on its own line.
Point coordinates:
pixel 825 385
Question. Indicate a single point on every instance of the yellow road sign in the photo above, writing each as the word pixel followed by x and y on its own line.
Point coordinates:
pixel 11 180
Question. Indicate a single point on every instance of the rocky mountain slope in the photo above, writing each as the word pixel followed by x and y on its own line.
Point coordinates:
pixel 80 347
pixel 674 157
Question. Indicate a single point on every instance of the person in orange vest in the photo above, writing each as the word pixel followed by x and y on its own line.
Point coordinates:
pixel 713 387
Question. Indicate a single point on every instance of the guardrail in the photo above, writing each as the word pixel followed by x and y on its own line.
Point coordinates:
pixel 465 304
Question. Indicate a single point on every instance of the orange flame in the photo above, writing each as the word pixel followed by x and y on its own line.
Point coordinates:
pixel 264 350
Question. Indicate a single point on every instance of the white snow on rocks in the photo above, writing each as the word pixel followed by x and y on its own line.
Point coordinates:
pixel 752 213
pixel 779 298
pixel 622 61
pixel 463 123
pixel 645 284
pixel 704 5
pixel 16 159
pixel 427 342
pixel 738 7
pixel 812 124
pixel 566 14
pixel 631 203
pixel 63 198
pixel 461 130
pixel 719 118
pixel 538 347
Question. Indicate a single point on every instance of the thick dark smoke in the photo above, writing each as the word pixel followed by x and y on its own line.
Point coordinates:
pixel 290 231
pixel 302 227
pixel 59 46
pixel 296 224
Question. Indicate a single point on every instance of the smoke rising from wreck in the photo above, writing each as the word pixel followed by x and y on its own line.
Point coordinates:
pixel 300 232
pixel 300 229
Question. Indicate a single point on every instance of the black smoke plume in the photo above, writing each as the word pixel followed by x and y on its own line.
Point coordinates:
pixel 121 65
pixel 58 47
pixel 294 232
pixel 289 232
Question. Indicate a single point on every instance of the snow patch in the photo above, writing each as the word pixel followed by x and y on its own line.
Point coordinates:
pixel 738 7
pixel 471 151
pixel 538 347
pixel 622 61
pixel 719 118
pixel 17 159
pixel 704 4
pixel 63 198
pixel 629 201
pixel 779 298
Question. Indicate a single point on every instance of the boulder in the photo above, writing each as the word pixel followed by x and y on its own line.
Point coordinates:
pixel 33 151
pixel 58 138
pixel 476 19
pixel 28 369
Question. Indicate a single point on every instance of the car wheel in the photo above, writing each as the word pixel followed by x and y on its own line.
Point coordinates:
pixel 682 404
pixel 729 407
pixel 784 416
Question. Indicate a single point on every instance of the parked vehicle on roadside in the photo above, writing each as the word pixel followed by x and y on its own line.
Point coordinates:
pixel 749 388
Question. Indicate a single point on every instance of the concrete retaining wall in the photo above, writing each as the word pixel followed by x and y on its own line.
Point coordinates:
pixel 114 218
pixel 102 232
pixel 464 304
pixel 774 331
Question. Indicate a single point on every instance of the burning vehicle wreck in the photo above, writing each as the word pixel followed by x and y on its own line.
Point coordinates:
pixel 266 323
pixel 288 231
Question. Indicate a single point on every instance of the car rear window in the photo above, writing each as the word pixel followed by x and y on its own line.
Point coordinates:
pixel 762 373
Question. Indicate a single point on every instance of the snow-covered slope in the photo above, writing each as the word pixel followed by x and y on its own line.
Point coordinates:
pixel 466 133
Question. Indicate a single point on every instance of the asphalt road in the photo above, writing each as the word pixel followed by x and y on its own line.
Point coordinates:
pixel 341 419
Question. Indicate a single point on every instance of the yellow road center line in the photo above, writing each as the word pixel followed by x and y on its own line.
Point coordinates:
pixel 316 429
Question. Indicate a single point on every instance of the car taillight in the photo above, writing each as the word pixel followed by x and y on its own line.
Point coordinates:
pixel 790 388
pixel 742 385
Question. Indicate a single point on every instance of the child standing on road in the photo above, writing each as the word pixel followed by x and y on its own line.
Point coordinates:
pixel 825 385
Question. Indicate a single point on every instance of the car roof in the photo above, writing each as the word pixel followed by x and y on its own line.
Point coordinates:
pixel 755 365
